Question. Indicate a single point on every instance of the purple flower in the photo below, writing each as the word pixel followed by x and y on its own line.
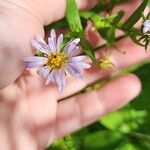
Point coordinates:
pixel 146 27
pixel 57 62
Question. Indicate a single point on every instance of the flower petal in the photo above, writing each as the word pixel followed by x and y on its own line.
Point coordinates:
pixel 72 48
pixel 82 65
pixel 147 23
pixel 145 29
pixel 50 77
pixel 44 71
pixel 35 58
pixel 52 40
pixel 60 79
pixel 73 70
pixel 62 76
pixel 38 38
pixel 51 45
pixel 75 41
pixel 59 42
pixel 40 46
pixel 78 58
pixel 34 64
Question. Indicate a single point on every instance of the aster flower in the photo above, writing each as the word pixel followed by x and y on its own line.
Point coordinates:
pixel 146 27
pixel 56 63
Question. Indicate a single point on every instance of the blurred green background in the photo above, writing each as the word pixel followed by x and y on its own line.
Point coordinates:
pixel 125 129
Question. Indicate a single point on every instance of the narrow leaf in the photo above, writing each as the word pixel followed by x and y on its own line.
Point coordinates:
pixel 88 49
pixel 111 36
pixel 135 16
pixel 73 17
pixel 59 24
pixel 119 16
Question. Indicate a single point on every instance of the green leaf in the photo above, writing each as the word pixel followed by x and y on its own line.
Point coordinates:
pixel 73 17
pixel 127 146
pixel 124 120
pixel 101 22
pixel 101 6
pixel 142 102
pixel 133 36
pixel 87 48
pixel 135 16
pixel 118 17
pixel 87 14
pixel 58 24
pixel 111 36
pixel 102 140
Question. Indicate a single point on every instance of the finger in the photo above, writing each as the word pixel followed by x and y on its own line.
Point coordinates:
pixel 133 54
pixel 77 112
pixel 52 14
pixel 47 16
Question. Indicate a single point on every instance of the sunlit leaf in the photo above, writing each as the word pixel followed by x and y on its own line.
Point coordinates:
pixel 125 120
pixel 72 15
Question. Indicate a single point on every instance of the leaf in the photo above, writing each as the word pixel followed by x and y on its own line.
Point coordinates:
pixel 101 6
pixel 124 120
pixel 73 17
pixel 127 146
pixel 118 17
pixel 87 14
pixel 101 22
pixel 102 140
pixel 133 36
pixel 87 49
pixel 58 24
pixel 112 3
pixel 135 16
pixel 142 102
pixel 111 36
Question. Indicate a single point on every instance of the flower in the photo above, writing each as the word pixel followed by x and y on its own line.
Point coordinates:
pixel 55 62
pixel 105 63
pixel 146 27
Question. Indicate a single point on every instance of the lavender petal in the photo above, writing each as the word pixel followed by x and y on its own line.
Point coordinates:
pixel 78 58
pixel 34 64
pixel 44 72
pixel 50 77
pixel 52 40
pixel 147 23
pixel 59 78
pixel 35 59
pixel 62 76
pixel 145 29
pixel 82 65
pixel 59 42
pixel 40 46
pixel 72 48
pixel 73 70
pixel 38 38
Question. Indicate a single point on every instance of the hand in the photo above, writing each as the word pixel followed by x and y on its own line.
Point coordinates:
pixel 31 114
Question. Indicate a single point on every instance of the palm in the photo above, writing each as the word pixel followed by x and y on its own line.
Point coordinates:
pixel 31 113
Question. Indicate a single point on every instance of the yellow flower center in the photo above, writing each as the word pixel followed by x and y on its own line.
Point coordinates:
pixel 105 63
pixel 56 60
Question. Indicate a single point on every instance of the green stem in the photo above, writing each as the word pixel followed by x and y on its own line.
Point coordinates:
pixel 140 136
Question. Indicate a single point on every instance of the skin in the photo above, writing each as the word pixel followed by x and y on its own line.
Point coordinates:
pixel 31 114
